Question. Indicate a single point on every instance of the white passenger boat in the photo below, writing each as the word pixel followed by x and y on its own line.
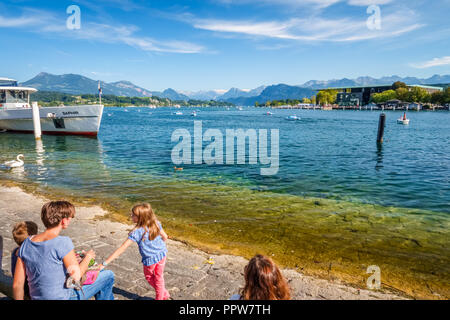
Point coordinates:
pixel 16 113
pixel 293 118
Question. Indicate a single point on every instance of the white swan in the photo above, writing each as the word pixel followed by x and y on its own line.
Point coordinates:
pixel 15 163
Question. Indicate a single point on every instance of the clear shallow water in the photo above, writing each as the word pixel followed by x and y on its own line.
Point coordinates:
pixel 337 204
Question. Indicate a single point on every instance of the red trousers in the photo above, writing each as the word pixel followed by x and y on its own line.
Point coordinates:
pixel 154 275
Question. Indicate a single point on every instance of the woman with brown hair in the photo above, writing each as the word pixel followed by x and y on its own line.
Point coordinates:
pixel 263 281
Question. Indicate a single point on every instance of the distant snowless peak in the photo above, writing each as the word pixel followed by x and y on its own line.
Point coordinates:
pixel 220 91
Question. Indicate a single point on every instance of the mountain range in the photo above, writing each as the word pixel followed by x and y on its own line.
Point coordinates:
pixel 77 84
pixel 369 81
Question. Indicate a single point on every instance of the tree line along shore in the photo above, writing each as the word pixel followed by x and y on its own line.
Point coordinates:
pixel 399 91
pixel 48 99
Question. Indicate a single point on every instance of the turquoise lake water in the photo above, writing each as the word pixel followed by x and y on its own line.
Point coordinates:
pixel 328 156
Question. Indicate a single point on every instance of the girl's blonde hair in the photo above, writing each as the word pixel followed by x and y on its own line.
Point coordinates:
pixel 146 219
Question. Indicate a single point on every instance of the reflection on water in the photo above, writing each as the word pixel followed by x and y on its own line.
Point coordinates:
pixel 379 164
pixel 18 173
pixel 337 205
pixel 56 160
pixel 40 155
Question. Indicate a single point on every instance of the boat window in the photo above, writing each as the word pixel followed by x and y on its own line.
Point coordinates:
pixel 17 96
pixel 23 96
pixel 2 97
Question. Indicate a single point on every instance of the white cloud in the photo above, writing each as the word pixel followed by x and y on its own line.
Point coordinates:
pixel 317 4
pixel 17 22
pixel 29 17
pixel 368 2
pixel 315 28
pixel 46 23
pixel 268 29
pixel 433 63
pixel 292 3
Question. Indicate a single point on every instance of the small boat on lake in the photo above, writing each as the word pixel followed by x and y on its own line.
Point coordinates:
pixel 269 113
pixel 403 120
pixel 178 113
pixel 194 114
pixel 293 118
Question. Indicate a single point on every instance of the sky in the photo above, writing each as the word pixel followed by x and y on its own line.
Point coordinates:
pixel 218 44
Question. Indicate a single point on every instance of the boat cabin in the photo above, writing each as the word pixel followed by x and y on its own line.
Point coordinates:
pixel 12 96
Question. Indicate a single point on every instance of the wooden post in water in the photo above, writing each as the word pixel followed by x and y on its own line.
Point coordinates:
pixel 381 125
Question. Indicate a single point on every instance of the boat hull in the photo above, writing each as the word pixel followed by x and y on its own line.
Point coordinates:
pixel 404 122
pixel 70 120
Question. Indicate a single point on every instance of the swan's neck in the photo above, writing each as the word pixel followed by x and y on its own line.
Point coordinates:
pixel 19 158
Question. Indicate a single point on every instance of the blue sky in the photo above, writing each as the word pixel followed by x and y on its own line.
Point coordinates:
pixel 218 44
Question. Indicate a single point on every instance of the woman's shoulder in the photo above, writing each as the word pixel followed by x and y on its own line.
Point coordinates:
pixel 63 240
pixel 62 244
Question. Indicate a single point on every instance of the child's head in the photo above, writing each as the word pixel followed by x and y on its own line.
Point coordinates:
pixel 23 230
pixel 144 217
pixel 264 281
pixel 55 212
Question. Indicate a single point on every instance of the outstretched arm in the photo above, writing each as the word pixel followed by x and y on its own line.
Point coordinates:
pixel 118 252
pixel 163 235
pixel 19 280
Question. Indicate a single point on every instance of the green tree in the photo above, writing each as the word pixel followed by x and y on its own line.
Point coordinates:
pixel 438 97
pixel 384 96
pixel 399 84
pixel 447 95
pixel 402 94
pixel 419 95
pixel 327 96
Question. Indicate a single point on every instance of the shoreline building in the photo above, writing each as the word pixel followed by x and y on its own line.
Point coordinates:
pixel 360 96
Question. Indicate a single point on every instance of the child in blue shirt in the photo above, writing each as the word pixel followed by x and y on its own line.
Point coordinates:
pixel 150 237
pixel 21 231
